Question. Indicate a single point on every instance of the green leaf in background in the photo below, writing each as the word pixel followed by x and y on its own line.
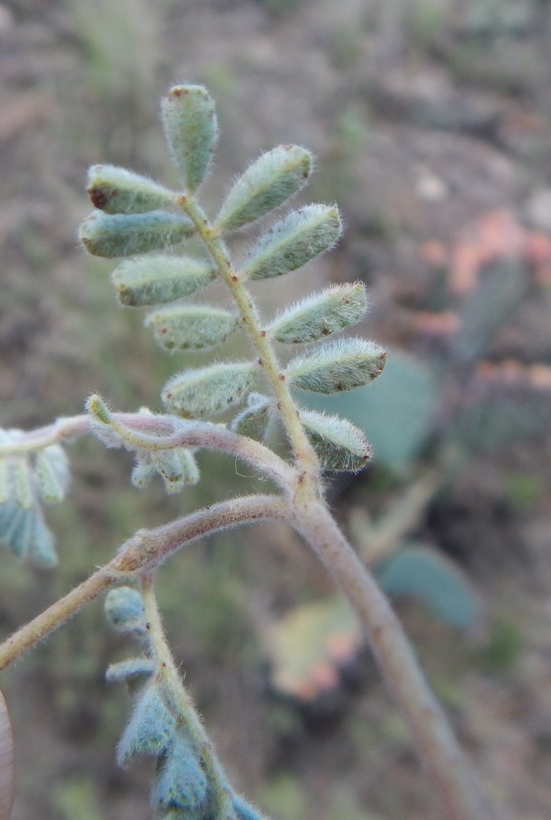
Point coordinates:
pixel 428 576
pixel 307 646
pixel 497 295
pixel 496 421
pixel 394 413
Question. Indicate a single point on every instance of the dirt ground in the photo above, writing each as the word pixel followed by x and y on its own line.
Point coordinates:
pixel 431 124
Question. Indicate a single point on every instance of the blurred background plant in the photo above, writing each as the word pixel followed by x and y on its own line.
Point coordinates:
pixel 432 124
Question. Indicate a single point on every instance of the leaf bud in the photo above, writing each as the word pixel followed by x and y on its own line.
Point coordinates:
pixel 100 417
pixel 265 185
pixel 124 609
pixel 191 131
pixel 191 327
pixel 190 469
pixel 207 391
pixel 291 243
pixel 339 444
pixel 337 366
pixel 321 314
pixel 118 191
pixel 112 235
pixel 156 280
pixel 142 474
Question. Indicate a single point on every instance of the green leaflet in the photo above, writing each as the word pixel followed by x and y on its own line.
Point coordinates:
pixel 177 468
pixel 265 185
pixel 293 242
pixel 118 191
pixel 339 445
pixel 333 309
pixel 191 131
pixel 337 366
pixel 126 234
pixel 150 729
pixel 52 473
pixel 156 280
pixel 191 327
pixel 396 416
pixel 208 391
pixel 253 421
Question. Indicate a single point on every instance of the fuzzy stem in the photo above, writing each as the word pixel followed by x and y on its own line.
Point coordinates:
pixel 456 783
pixel 34 440
pixel 305 454
pixel 144 550
pixel 183 703
pixel 161 433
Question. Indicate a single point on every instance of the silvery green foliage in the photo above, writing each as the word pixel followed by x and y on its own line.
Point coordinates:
pixel 320 315
pixel 191 327
pixel 191 130
pixel 118 191
pixel 112 235
pixel 176 466
pixel 165 281
pixel 339 445
pixel 164 725
pixel 156 280
pixel 254 420
pixel 208 391
pixel 124 610
pixel 299 237
pixel 337 366
pixel 26 480
pixel 266 184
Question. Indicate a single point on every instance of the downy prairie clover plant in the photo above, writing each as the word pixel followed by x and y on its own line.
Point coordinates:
pixel 146 226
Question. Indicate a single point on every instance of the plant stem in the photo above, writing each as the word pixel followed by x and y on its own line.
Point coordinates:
pixel 183 703
pixel 146 549
pixel 305 455
pixel 161 433
pixel 28 636
pixel 456 783
pixel 60 430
